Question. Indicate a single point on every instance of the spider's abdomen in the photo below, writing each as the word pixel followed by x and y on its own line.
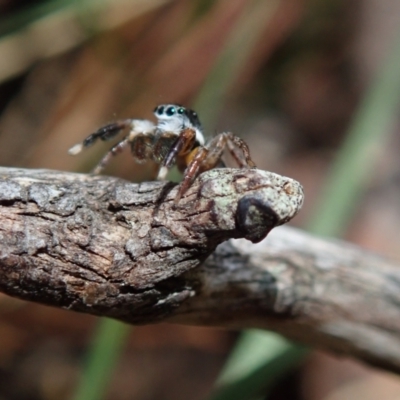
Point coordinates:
pixel 161 146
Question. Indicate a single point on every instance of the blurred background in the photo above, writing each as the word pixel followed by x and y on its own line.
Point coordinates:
pixel 294 78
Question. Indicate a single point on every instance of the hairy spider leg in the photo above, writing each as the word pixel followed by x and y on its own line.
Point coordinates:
pixel 107 132
pixel 115 150
pixel 192 171
pixel 104 133
pixel 182 146
pixel 202 159
pixel 234 143
pixel 162 143
pixel 217 145
pixel 209 156
pixel 140 137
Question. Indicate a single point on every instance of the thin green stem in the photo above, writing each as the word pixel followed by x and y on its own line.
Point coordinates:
pixel 355 163
pixel 102 358
pixel 257 361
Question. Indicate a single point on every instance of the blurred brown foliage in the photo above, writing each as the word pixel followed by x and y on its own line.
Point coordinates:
pixel 291 101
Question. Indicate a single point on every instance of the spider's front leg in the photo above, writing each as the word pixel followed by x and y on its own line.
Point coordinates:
pixel 107 132
pixel 193 170
pixel 243 158
pixel 104 133
pixel 181 147
pixel 207 157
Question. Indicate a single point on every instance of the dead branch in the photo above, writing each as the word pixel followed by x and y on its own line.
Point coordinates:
pixel 107 247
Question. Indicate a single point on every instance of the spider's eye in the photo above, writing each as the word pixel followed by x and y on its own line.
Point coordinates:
pixel 159 110
pixel 170 111
pixel 181 110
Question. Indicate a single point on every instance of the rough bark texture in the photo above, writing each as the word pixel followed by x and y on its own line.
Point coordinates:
pixel 108 247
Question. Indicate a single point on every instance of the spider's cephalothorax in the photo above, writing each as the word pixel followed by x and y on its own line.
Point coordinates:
pixel 177 138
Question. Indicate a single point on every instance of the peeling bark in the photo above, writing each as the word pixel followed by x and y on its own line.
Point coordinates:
pixel 107 247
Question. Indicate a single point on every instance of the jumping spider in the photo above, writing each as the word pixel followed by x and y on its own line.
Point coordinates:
pixel 177 138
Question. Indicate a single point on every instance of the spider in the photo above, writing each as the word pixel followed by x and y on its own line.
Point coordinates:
pixel 177 138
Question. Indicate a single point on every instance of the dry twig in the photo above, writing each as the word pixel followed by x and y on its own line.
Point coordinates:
pixel 108 247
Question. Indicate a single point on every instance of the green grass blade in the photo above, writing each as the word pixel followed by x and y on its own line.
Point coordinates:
pixel 355 163
pixel 103 355
pixel 246 371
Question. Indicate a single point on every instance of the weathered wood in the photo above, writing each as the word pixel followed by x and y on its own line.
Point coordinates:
pixel 108 247
pixel 324 293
